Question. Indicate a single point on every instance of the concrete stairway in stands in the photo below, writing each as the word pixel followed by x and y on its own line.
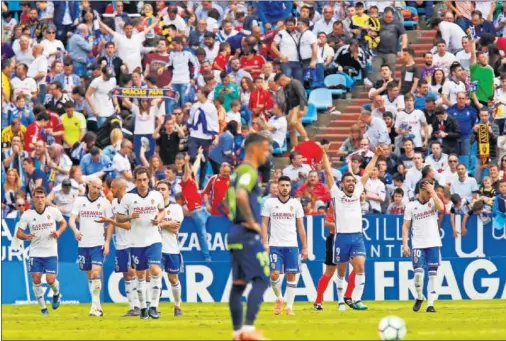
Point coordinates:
pixel 336 128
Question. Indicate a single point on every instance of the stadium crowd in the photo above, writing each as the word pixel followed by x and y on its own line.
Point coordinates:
pixel 229 68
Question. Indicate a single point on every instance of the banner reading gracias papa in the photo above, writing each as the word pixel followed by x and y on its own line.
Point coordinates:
pixel 474 267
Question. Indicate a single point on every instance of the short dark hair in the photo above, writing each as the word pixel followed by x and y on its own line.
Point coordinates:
pixel 398 177
pixel 254 138
pixel 57 84
pixel 422 82
pixel 278 76
pixel 209 35
pixel 43 116
pixel 348 175
pixel 392 85
pixel 284 178
pixel 141 170
pixel 109 43
pixel 398 191
pixel 39 190
pixel 409 50
pixel 290 19
pixel 205 91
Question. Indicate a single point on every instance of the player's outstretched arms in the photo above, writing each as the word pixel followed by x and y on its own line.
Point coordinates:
pixel 378 151
pixel 405 230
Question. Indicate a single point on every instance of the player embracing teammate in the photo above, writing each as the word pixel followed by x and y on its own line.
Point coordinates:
pixel 349 241
pixel 422 216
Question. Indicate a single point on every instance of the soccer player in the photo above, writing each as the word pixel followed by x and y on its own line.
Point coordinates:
pixel 250 261
pixel 41 222
pixel 144 209
pixel 123 243
pixel 422 216
pixel 285 217
pixel 349 240
pixel 172 260
pixel 92 211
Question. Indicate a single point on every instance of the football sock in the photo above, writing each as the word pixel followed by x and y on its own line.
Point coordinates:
pixel 235 304
pixel 340 289
pixel 176 292
pixel 351 284
pixel 276 287
pixel 432 295
pixel 290 294
pixel 141 292
pixel 39 295
pixel 255 299
pixel 419 275
pixel 128 291
pixel 359 287
pixel 155 286
pixel 323 283
pixel 147 295
pixel 55 287
pixel 95 288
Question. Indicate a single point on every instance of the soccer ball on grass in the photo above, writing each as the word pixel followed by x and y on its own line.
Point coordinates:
pixel 392 328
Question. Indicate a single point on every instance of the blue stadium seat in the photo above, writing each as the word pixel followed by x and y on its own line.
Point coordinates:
pixel 281 150
pixel 321 98
pixel 411 23
pixel 311 115
pixel 335 80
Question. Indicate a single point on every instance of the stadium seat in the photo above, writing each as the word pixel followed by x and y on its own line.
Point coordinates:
pixel 335 80
pixel 311 115
pixel 321 98
pixel 412 24
pixel 281 150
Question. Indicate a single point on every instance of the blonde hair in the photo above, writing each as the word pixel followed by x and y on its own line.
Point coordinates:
pixel 116 136
pixel 17 182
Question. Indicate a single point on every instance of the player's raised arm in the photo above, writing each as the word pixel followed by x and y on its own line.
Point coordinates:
pixel 327 167
pixel 367 172
pixel 439 206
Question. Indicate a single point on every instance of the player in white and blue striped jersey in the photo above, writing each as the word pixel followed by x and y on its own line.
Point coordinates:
pixel 422 216
pixel 41 222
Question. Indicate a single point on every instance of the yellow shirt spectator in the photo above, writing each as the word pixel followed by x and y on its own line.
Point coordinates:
pixel 7 134
pixel 361 21
pixel 6 87
pixel 74 128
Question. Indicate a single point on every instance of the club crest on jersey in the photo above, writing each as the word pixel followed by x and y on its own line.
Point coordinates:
pixel 98 206
pixel 48 217
pixel 291 208
pixel 152 201
pixel 273 266
pixel 415 259
pixel 430 205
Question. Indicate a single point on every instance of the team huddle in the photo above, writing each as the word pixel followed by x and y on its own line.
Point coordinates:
pixel 263 242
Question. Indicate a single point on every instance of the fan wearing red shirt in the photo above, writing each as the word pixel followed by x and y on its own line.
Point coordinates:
pixel 311 151
pixel 54 128
pixel 260 101
pixel 34 131
pixel 314 189
pixel 216 189
pixel 252 62
pixel 330 267
pixel 193 201
pixel 221 60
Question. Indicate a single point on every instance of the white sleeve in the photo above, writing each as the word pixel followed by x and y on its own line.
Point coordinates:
pixel 266 209
pixel 446 88
pixel 124 205
pixel 382 192
pixel 57 214
pixel 76 208
pixel 359 188
pixel 335 191
pixel 161 202
pixel 23 223
pixel 408 213
pixel 108 209
pixel 299 211
pixel 178 213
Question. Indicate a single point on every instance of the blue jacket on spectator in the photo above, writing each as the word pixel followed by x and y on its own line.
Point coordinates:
pixel 466 118
pixel 61 78
pixel 272 11
pixel 79 48
pixel 59 11
pixel 88 166
pixel 25 115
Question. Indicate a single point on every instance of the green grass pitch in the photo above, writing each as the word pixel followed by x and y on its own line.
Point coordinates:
pixel 455 320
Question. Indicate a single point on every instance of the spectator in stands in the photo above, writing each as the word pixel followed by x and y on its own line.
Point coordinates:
pixel 285 46
pixel 94 163
pixel 34 131
pixel 22 84
pixel 37 70
pixel 428 67
pixel 466 117
pixel 227 31
pixel 410 73
pixel 482 73
pixel 454 85
pixel 10 187
pixel 277 126
pixel 271 12
pixel 406 158
pixel 380 87
pixel 450 174
pixel 66 16
pixel 99 99
pixel 464 185
pixel 227 89
pixel 393 98
pixel 68 78
pixel 446 130
pixel 338 37
pixel 412 124
pixel 352 142
pixel 296 167
pixel 493 173
pixel 260 101
pixel 413 175
pixel 502 166
pixel 390 32
pixel 57 98
pixel 62 197
pixel 326 23
pixel 464 55
pixel 58 163
pixel 437 159
pixel 480 25
pixel 451 33
pixel 34 177
pixel 296 106
pixel 238 73
pixel 203 123
pixel 397 205
pixel 375 191
pixel 168 138
pixel 314 189
pixel 121 161
pixel 24 53
pixel 223 152
pixel 216 189
pixel 376 129
pixel 485 133
pixel 353 60
pixel 443 59
pixel 18 110
pixel 79 48
pixel 12 158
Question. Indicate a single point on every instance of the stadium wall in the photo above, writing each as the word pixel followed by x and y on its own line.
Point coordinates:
pixel 473 267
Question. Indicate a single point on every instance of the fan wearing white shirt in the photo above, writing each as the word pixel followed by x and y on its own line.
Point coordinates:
pixel 277 125
pixel 99 98
pixel 413 175
pixel 296 167
pixel 43 235
pixel 285 218
pixel 411 121
pixel 92 211
pixel 443 59
pixel 121 161
pixel 172 260
pixel 464 55
pixel 392 97
pixel 375 191
pixel 437 159
pixel 453 85
pixel 452 34
pixel 422 216
pixel 349 240
pixel 38 71
pixel 234 114
pixel 450 174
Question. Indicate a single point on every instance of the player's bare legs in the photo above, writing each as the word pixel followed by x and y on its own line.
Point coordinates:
pixel 291 285
pixel 276 287
pixel 176 293
pixel 95 285
pixel 341 273
pixel 155 273
pixel 358 263
pixel 323 284
pixel 131 291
